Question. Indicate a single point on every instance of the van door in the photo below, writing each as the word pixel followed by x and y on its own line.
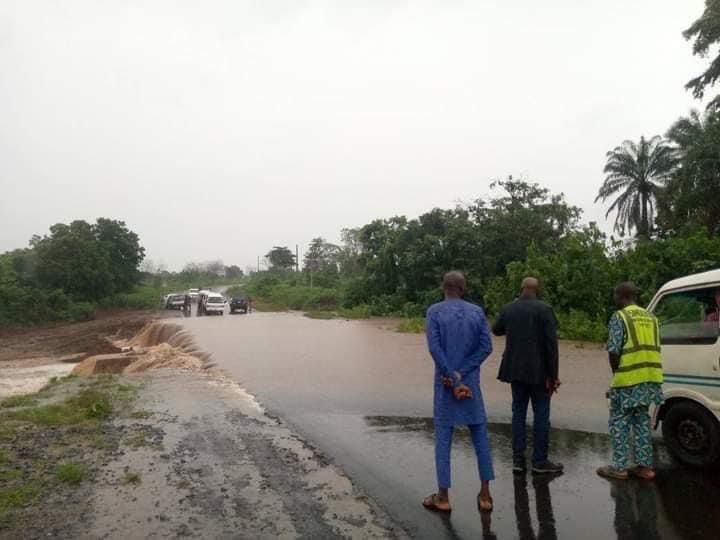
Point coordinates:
pixel 690 332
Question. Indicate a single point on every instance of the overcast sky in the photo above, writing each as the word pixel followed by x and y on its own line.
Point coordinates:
pixel 218 129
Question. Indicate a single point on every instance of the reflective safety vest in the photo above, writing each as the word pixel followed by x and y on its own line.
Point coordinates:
pixel 640 360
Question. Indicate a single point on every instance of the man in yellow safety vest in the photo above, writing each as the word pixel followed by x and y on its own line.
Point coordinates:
pixel 635 359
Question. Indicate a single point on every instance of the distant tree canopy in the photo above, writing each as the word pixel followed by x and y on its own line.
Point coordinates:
pixel 88 261
pixel 691 199
pixel 65 272
pixel 321 256
pixel 281 258
pixel 706 33
pixel 233 272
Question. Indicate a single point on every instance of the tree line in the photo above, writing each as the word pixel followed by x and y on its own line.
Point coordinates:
pixel 662 190
pixel 79 267
pixel 63 274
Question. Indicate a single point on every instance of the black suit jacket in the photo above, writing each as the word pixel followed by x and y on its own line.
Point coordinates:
pixel 531 349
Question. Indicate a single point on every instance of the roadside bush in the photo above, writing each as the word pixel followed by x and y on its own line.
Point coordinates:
pixel 579 326
pixel 81 311
pixel 415 325
pixel 363 311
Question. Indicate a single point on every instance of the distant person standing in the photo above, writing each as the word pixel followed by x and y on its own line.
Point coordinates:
pixel 530 365
pixel 459 342
pixel 635 360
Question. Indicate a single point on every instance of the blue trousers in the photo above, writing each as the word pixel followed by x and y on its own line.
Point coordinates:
pixel 443 443
pixel 522 394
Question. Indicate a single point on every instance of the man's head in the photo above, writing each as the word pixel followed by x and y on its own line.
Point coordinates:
pixel 454 284
pixel 530 288
pixel 625 294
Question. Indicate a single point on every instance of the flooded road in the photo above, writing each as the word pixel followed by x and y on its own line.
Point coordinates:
pixel 363 394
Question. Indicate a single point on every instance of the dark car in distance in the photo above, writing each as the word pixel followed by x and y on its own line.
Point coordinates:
pixel 238 303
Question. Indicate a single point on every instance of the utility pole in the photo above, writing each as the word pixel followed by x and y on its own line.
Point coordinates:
pixel 297 258
pixel 258 267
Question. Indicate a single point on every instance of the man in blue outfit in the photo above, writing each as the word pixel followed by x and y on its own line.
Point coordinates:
pixel 459 341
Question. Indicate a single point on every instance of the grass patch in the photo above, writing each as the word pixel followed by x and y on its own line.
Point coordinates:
pixel 18 496
pixel 362 311
pixel 131 478
pixel 416 325
pixel 88 404
pixel 70 473
pixel 323 315
pixel 141 415
pixel 25 400
pixel 262 305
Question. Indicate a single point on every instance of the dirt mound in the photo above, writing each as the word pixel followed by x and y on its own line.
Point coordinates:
pixel 164 356
pixel 104 363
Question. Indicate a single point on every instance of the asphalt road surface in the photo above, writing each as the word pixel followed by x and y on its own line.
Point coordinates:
pixel 362 393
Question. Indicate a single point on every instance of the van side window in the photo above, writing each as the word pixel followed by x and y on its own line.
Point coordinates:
pixel 690 317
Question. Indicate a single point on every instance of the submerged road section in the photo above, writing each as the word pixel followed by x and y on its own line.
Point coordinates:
pixel 363 394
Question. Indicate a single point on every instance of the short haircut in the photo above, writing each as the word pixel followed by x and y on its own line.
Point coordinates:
pixel 627 290
pixel 454 281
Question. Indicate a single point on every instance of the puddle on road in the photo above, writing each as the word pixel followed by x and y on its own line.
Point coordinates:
pixel 681 503
pixel 14 381
pixel 392 459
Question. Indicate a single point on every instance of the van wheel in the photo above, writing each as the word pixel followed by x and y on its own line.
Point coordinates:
pixel 692 434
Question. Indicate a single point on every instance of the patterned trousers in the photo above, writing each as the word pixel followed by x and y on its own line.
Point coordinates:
pixel 630 432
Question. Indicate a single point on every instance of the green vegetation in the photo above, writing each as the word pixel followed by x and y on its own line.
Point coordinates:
pixel 63 275
pixel 416 325
pixel 70 473
pixel 393 267
pixel 40 436
pixel 24 400
pixel 131 478
pixel 662 189
pixel 706 35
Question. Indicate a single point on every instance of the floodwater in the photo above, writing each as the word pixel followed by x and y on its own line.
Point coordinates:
pixel 362 393
pixel 26 380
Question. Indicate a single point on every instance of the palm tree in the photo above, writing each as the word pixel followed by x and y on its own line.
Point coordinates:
pixel 636 173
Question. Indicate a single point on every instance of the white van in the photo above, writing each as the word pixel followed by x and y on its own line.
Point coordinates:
pixel 214 304
pixel 689 313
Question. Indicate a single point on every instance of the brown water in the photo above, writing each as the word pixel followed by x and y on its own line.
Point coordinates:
pixel 363 394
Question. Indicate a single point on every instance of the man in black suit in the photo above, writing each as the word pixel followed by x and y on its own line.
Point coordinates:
pixel 530 365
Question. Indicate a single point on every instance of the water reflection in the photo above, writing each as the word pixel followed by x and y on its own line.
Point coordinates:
pixel 635 510
pixel 680 503
pixel 543 507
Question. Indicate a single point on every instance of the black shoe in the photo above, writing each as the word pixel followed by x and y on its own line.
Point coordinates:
pixel 519 466
pixel 547 467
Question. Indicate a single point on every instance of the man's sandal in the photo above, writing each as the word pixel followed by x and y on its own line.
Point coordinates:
pixel 485 504
pixel 646 473
pixel 433 503
pixel 613 473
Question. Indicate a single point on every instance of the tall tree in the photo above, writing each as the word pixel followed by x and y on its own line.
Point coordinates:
pixel 321 256
pixel 524 213
pixel 635 175
pixel 706 33
pixel 70 258
pixel 124 250
pixel 691 198
pixel 281 258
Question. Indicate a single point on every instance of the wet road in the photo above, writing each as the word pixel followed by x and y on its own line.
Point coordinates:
pixel 362 393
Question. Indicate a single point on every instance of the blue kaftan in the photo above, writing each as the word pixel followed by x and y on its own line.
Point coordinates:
pixel 459 341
